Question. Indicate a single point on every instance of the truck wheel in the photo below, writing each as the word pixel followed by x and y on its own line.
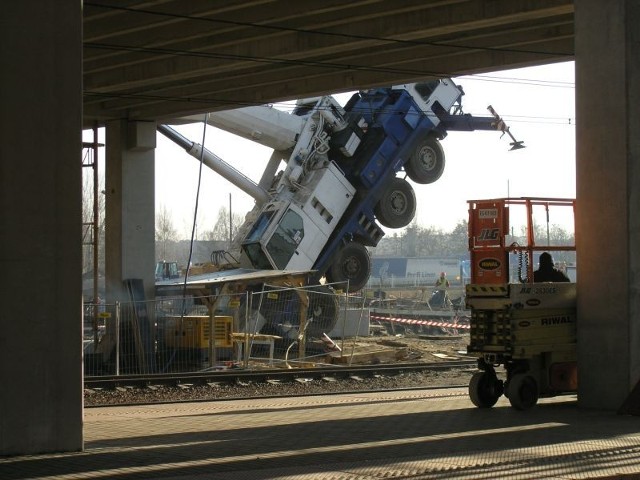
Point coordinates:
pixel 426 163
pixel 322 311
pixel 522 391
pixel 397 206
pixel 280 307
pixel 353 264
pixel 484 389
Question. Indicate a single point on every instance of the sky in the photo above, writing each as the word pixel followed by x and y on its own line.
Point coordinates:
pixel 537 103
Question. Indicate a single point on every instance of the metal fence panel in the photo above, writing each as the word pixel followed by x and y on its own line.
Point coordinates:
pixel 273 327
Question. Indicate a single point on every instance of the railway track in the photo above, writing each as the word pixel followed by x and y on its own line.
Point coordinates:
pixel 236 376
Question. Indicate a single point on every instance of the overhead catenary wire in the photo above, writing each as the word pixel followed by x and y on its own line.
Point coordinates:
pixel 307 31
pixel 316 63
pixel 240 104
pixel 297 62
pixel 518 81
pixel 195 215
pixel 303 62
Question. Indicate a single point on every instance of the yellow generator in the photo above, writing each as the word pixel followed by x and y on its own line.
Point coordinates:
pixel 528 328
pixel 189 335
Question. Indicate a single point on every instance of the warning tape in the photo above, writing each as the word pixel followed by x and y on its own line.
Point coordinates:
pixel 413 321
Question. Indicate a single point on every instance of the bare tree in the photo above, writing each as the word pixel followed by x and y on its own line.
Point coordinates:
pixel 458 243
pixel 165 231
pixel 433 241
pixel 558 236
pixel 220 230
pixel 88 232
pixel 410 240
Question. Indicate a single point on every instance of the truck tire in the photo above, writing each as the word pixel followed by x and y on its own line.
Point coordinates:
pixel 282 307
pixel 426 163
pixel 279 307
pixel 322 311
pixel 352 265
pixel 522 391
pixel 484 389
pixel 397 206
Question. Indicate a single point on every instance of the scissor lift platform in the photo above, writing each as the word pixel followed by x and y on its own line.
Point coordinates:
pixel 529 328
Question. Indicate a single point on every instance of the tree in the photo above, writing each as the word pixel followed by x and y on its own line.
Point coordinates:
pixel 558 236
pixel 410 240
pixel 165 231
pixel 459 238
pixel 418 241
pixel 220 229
pixel 88 221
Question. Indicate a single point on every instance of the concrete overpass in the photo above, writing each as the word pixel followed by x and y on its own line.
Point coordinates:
pixel 159 59
pixel 127 65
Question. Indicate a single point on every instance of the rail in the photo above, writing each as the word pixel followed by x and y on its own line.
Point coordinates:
pixel 234 376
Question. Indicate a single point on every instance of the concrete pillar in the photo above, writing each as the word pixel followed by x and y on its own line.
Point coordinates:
pixel 130 208
pixel 608 195
pixel 40 227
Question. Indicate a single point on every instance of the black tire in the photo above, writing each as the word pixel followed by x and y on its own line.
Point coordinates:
pixel 484 389
pixel 322 311
pixel 426 163
pixel 280 307
pixel 522 391
pixel 397 206
pixel 352 264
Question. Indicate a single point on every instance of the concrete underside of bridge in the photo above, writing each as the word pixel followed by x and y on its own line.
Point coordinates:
pixel 275 54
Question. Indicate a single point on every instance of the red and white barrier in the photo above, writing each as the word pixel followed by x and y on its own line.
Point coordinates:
pixel 413 321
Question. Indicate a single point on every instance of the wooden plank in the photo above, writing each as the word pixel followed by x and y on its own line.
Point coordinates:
pixel 365 356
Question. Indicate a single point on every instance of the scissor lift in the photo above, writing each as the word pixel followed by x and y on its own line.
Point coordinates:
pixel 529 328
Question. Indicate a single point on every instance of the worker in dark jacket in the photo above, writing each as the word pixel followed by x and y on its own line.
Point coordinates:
pixel 547 272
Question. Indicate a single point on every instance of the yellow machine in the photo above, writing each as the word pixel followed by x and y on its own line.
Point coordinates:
pixel 528 328
pixel 191 334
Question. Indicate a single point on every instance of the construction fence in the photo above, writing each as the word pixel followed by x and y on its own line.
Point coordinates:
pixel 275 327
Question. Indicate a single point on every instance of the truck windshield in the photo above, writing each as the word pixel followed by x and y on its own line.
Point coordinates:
pixel 257 256
pixel 425 89
pixel 252 245
pixel 260 226
pixel 285 239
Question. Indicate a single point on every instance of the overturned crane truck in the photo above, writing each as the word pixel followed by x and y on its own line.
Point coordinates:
pixel 340 181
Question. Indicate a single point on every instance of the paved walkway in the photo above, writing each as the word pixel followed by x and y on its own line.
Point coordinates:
pixel 422 434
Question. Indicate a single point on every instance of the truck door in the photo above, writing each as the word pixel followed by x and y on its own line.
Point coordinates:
pixel 283 244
